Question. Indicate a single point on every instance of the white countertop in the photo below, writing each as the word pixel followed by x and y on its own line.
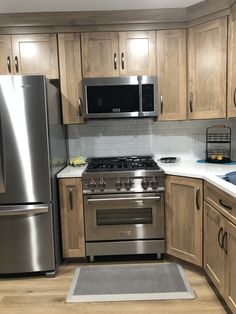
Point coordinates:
pixel 205 171
pixel 71 172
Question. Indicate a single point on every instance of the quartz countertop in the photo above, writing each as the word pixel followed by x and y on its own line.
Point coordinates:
pixel 208 171
pixel 71 172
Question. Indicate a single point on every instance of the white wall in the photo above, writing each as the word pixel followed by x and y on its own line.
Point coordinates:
pixel 121 137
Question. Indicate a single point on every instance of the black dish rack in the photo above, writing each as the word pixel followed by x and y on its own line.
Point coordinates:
pixel 218 144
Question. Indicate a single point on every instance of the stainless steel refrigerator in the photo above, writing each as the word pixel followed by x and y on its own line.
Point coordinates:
pixel 32 152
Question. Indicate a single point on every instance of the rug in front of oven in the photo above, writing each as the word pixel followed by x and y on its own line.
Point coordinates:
pixel 160 281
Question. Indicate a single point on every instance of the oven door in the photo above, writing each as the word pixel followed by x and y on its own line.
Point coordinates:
pixel 124 216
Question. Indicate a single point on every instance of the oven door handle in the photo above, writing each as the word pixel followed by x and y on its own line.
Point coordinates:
pixel 92 200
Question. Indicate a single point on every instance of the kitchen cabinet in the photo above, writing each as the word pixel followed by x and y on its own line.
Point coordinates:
pixel 184 211
pixel 171 73
pixel 231 109
pixel 70 77
pixel 207 49
pixel 220 242
pixel 72 217
pixel 29 54
pixel 109 54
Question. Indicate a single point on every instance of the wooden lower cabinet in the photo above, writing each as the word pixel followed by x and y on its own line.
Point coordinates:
pixel 72 217
pixel 184 210
pixel 220 253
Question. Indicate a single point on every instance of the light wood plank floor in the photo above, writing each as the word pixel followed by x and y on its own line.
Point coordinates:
pixel 40 295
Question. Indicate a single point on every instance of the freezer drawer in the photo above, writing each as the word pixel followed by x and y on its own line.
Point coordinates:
pixel 26 239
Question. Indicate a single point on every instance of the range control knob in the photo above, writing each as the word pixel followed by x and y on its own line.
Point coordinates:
pixel 128 184
pixel 118 184
pixel 144 184
pixel 102 184
pixel 92 184
pixel 154 183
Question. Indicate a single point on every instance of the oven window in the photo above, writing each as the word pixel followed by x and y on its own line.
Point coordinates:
pixel 131 216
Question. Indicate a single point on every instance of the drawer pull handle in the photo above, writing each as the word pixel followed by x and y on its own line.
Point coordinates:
pixel 197 198
pixel 71 198
pixel 224 242
pixel 161 105
pixel 9 64
pixel 235 97
pixel 225 205
pixel 115 62
pixel 191 102
pixel 122 61
pixel 220 240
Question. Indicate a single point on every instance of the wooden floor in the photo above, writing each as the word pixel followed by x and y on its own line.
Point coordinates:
pixel 47 296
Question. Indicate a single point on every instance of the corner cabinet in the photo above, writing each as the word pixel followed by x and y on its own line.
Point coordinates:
pixel 108 54
pixel 207 57
pixel 231 109
pixel 184 210
pixel 71 77
pixel 29 54
pixel 171 73
pixel 220 242
pixel 72 217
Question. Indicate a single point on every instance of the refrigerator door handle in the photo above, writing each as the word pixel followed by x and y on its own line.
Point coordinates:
pixel 2 161
pixel 23 210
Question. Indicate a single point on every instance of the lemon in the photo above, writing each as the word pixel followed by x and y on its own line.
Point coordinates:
pixel 219 157
pixel 213 156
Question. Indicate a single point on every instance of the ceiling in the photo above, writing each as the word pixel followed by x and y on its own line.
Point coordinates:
pixel 16 6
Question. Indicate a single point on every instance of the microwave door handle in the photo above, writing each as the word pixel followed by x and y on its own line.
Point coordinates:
pixel 140 95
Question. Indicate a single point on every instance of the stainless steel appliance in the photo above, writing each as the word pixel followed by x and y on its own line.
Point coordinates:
pixel 32 152
pixel 120 97
pixel 123 206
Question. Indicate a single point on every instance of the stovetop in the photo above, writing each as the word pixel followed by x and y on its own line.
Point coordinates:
pixel 125 163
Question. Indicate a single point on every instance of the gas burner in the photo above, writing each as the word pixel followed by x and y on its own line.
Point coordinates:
pixel 121 164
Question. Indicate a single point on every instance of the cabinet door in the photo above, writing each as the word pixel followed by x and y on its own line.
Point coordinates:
pixel 137 53
pixel 70 77
pixel 184 199
pixel 213 253
pixel 207 47
pixel 230 265
pixel 72 217
pixel 232 65
pixel 171 73
pixel 5 55
pixel 35 54
pixel 100 54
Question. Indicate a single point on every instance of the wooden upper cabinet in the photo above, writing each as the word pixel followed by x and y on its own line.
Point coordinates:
pixel 109 54
pixel 207 48
pixel 35 54
pixel 171 73
pixel 70 77
pixel 100 54
pixel 137 53
pixel 184 210
pixel 5 55
pixel 231 112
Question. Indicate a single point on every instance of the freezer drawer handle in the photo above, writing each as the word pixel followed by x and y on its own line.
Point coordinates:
pixel 18 212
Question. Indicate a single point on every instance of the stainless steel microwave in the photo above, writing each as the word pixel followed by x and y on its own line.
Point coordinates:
pixel 120 97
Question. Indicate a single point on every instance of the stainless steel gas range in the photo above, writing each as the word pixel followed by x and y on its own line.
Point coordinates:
pixel 123 206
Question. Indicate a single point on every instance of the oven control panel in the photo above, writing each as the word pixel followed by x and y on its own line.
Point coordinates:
pixel 122 184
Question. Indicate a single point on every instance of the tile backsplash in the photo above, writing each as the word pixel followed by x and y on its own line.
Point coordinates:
pixel 185 139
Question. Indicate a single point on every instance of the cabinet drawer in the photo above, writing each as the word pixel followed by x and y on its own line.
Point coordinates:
pixel 223 202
